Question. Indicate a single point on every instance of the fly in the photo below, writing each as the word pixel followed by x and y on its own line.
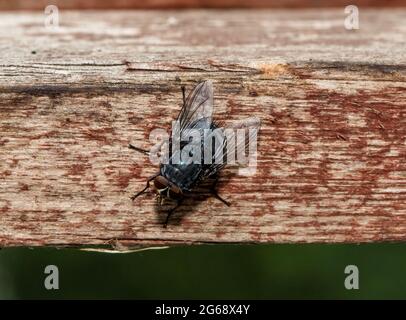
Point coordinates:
pixel 177 178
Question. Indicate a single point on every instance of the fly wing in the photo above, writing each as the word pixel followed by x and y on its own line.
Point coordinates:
pixel 238 139
pixel 198 106
pixel 196 113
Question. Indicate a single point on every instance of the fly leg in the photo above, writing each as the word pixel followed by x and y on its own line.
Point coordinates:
pixel 184 95
pixel 215 193
pixel 146 187
pixel 158 149
pixel 138 149
pixel 178 204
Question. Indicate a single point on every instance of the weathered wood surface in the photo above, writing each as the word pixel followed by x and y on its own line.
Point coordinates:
pixel 171 4
pixel 332 143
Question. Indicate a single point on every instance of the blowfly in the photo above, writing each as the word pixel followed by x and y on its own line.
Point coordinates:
pixel 179 175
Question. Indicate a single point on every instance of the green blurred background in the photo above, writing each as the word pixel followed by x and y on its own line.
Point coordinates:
pixel 210 271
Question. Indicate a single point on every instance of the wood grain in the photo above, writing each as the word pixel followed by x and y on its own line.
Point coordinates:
pixel 188 4
pixel 332 142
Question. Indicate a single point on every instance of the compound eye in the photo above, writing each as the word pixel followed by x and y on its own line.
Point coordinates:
pixel 175 193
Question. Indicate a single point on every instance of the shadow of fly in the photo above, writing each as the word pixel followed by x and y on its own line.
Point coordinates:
pixel 197 149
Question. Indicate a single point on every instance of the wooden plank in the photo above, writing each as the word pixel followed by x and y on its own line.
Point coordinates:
pixel 332 142
pixel 181 4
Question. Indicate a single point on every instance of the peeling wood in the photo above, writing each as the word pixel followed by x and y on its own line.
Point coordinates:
pixel 332 143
